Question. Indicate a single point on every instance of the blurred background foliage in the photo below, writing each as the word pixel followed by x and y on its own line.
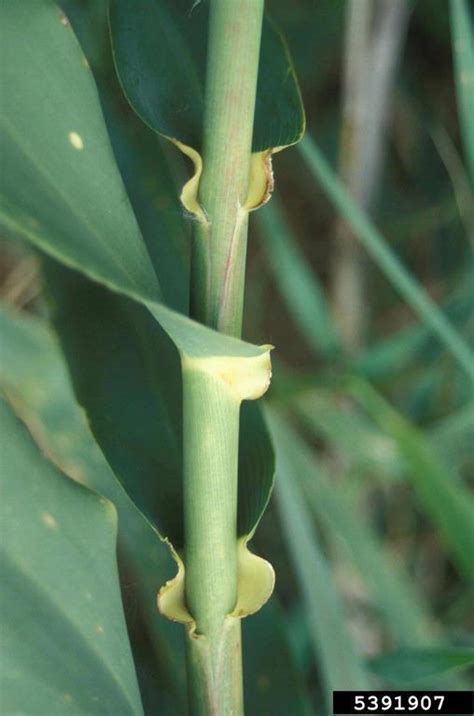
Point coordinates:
pixel 370 528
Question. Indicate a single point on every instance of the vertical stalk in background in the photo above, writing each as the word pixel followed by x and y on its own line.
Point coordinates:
pixel 348 290
pixel 374 36
pixel 388 34
pixel 388 262
pixel 220 247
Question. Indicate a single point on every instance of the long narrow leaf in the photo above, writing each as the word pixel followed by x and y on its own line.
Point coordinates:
pixel 332 643
pixel 454 435
pixel 394 595
pixel 446 501
pixel 62 191
pixel 462 30
pixel 298 285
pixel 350 433
pixel 64 640
pixel 409 665
pixel 416 297
pixel 31 357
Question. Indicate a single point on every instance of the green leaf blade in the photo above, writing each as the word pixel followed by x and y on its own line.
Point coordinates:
pixel 161 51
pixel 299 287
pixel 407 666
pixel 413 293
pixel 58 186
pixel 462 30
pixel 140 156
pixel 35 379
pixel 446 500
pixel 334 649
pixel 61 592
pixel 95 250
pixel 394 595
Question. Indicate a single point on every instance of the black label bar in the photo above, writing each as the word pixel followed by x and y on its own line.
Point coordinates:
pixel 403 702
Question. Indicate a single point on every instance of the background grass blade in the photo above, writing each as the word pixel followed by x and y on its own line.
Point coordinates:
pixel 272 683
pixel 445 500
pixel 332 644
pixel 395 598
pixel 415 344
pixel 454 434
pixel 462 29
pixel 407 666
pixel 297 283
pixel 387 261
pixel 366 449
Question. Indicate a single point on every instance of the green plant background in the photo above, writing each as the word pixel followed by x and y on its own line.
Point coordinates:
pixel 370 528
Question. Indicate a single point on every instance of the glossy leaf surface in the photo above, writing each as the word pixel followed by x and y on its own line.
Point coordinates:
pixel 31 356
pixel 60 593
pixel 160 52
pixel 60 186
pixel 64 193
pixel 140 157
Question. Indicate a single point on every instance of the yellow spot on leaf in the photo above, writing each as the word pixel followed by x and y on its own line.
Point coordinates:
pixel 49 521
pixel 76 140
pixel 99 629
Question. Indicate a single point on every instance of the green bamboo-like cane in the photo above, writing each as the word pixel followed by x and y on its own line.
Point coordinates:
pixel 210 410
pixel 231 82
pixel 211 430
pixel 214 386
